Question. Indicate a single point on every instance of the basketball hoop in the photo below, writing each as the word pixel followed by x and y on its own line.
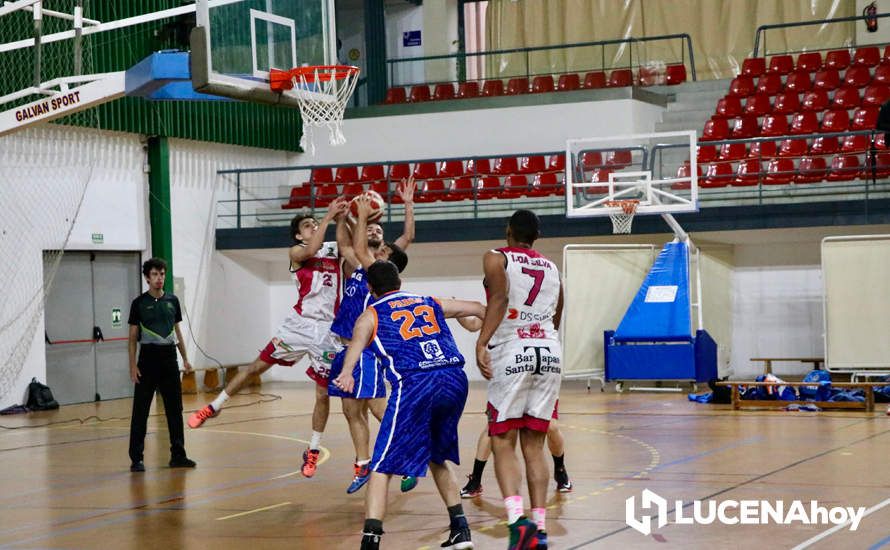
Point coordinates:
pixel 622 220
pixel 322 92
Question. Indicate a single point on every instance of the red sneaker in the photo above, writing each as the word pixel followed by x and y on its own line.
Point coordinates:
pixel 310 462
pixel 198 417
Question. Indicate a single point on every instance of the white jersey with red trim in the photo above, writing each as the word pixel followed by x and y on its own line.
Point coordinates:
pixel 318 284
pixel 533 286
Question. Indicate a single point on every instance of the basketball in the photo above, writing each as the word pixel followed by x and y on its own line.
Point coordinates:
pixel 377 205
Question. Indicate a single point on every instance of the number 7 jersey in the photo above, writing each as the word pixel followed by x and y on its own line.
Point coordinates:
pixel 533 286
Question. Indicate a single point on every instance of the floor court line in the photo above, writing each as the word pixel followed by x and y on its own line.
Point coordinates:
pixel 828 532
pixel 254 511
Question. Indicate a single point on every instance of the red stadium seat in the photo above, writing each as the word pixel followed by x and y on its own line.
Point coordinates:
pixel 352 190
pixel 493 88
pixel 461 189
pixel 719 174
pixel 809 61
pixel 600 175
pixel 769 83
pixel 757 105
pixel 882 166
pixel 372 172
pixel 826 79
pixel 533 164
pixel 741 86
pixel 591 160
pixel 568 82
pixel 804 123
pixel 855 144
pixel 424 170
pixel 876 95
pixel 733 151
pixel 325 193
pixel 545 184
pixel 685 171
pixel 557 163
pixel 381 187
pixel 620 78
pixel 432 191
pixel 811 170
pixel 881 141
pixel 648 76
pixel 780 64
pixel 865 118
pixel 481 167
pixel 395 95
pixel 443 91
pixel 468 89
pixel 857 76
pixel 753 66
pixel 867 56
pixel 595 79
pixel 747 174
pixel 763 149
pixel 675 74
pixel 837 59
pixel 346 174
pixel 886 57
pixel 542 84
pixel 517 86
pixel 882 74
pixel 816 101
pixel 824 145
pixel 786 103
pixel 505 166
pixel 488 187
pixel 745 127
pixel 515 187
pixel 729 107
pixel 774 125
pixel 619 158
pixel 779 171
pixel 451 169
pixel 845 98
pixel 322 175
pixel 844 168
pixel 300 197
pixel 399 171
pixel 793 148
pixel 706 153
pixel 419 93
pixel 835 121
pixel 798 81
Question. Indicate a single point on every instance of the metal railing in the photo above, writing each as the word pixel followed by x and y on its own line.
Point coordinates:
pixel 762 29
pixel 460 58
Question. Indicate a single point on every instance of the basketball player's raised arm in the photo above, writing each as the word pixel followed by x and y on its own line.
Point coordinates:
pixel 557 315
pixel 363 256
pixel 462 309
pixel 344 245
pixel 406 192
pixel 496 283
pixel 361 336
pixel 299 254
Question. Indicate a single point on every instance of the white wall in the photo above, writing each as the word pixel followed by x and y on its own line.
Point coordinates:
pixel 506 130
pixel 402 18
pixel 44 173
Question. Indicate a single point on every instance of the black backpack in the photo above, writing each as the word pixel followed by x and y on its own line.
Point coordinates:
pixel 40 397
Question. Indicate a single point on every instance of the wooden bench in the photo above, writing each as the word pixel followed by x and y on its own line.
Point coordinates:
pixel 212 379
pixel 768 362
pixel 738 403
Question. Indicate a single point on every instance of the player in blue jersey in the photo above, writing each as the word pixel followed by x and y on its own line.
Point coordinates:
pixel 409 335
pixel 369 390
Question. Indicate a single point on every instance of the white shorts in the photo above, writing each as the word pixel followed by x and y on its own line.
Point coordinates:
pixel 298 336
pixel 524 387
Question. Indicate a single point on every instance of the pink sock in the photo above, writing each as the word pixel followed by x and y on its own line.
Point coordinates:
pixel 539 515
pixel 514 508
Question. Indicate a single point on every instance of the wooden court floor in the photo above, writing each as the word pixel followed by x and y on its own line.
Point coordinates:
pixel 67 485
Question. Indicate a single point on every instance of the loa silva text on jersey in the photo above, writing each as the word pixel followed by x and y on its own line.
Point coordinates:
pixel 536 360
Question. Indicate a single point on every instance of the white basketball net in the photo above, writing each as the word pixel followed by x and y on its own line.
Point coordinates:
pixel 622 219
pixel 322 93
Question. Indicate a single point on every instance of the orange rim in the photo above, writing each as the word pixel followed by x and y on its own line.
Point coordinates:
pixel 324 72
pixel 628 205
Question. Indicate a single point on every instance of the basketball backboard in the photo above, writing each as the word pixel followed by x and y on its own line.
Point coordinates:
pixel 651 169
pixel 237 42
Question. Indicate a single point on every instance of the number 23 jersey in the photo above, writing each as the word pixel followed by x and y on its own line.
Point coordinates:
pixel 533 287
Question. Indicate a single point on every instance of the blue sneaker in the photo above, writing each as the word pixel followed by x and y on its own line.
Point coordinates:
pixel 540 541
pixel 522 534
pixel 408 483
pixel 362 473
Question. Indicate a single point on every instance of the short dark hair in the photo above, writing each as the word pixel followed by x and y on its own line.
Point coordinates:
pixel 383 277
pixel 525 226
pixel 398 256
pixel 295 225
pixel 154 263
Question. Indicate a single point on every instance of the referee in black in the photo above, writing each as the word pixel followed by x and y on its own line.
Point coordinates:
pixel 154 323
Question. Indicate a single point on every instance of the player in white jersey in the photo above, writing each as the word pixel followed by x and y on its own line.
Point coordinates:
pixel 315 266
pixel 518 351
